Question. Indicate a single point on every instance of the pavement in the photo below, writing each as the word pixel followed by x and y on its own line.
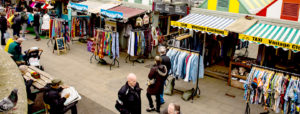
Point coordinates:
pixel 99 85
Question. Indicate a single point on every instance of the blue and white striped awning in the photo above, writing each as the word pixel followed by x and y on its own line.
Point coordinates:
pixel 212 22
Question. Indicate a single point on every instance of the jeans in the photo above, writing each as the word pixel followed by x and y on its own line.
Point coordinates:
pixel 24 26
pixel 36 31
pixel 157 98
pixel 2 38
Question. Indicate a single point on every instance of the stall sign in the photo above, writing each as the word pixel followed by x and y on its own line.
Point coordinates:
pixel 112 14
pixel 80 7
pixel 286 45
pixel 110 25
pixel 171 9
pixel 199 28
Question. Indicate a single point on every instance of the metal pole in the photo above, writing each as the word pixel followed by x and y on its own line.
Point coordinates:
pixel 197 82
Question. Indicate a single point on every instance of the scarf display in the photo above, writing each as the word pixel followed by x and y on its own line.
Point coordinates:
pixel 81 27
pixel 107 43
pixel 59 28
pixel 273 90
pixel 140 43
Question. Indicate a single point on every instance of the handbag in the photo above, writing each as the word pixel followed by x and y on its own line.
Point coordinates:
pixel 151 82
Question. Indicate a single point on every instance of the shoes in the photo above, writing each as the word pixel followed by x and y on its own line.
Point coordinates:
pixel 157 111
pixel 150 109
pixel 38 39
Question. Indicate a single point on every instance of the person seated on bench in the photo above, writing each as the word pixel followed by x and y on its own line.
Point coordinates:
pixel 53 98
pixel 28 83
pixel 15 49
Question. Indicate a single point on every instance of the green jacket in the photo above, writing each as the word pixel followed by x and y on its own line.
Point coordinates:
pixel 16 50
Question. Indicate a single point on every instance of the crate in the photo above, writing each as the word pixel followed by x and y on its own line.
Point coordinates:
pixel 237 84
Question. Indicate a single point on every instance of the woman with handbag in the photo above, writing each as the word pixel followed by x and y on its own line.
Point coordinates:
pixel 157 77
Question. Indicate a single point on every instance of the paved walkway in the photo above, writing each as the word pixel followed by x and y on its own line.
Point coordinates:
pixel 101 85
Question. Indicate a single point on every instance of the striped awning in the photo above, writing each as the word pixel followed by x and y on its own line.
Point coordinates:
pixel 206 23
pixel 277 36
pixel 254 6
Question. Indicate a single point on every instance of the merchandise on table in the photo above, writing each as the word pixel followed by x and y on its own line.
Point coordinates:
pixel 184 64
pixel 274 90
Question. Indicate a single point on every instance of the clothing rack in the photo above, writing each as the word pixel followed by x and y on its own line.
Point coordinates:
pixel 277 70
pixel 197 90
pixel 247 111
pixel 128 56
pixel 95 57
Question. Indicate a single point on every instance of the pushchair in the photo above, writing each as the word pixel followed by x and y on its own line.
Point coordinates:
pixel 32 57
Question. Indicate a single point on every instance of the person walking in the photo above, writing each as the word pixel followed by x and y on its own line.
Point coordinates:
pixel 16 26
pixel 24 20
pixel 157 77
pixel 167 62
pixel 130 96
pixel 3 27
pixel 36 24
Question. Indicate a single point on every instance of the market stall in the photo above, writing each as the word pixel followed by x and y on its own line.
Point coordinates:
pixel 121 22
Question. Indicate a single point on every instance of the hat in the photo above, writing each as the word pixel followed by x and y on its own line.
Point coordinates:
pixel 56 81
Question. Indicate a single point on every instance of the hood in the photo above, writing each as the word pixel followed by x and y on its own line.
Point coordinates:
pixel 162 70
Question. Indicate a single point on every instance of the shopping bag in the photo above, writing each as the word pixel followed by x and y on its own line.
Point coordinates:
pixel 187 95
pixel 170 87
pixel 6 35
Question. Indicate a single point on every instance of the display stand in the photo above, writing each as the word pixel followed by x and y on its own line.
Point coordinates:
pixel 98 59
pixel 197 89
pixel 60 45
pixel 128 56
pixel 86 35
pixel 247 111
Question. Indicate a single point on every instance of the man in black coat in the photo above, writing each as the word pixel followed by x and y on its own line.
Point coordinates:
pixel 53 98
pixel 167 62
pixel 17 21
pixel 130 96
pixel 3 27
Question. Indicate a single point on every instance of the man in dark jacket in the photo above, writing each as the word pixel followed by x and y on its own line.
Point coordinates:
pixel 167 62
pixel 130 96
pixel 17 21
pixel 157 76
pixel 36 24
pixel 3 27
pixel 53 98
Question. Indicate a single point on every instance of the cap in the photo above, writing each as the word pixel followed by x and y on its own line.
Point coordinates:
pixel 56 81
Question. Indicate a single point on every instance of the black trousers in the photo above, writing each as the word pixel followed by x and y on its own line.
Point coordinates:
pixel 16 31
pixel 157 99
pixel 73 108
pixel 2 37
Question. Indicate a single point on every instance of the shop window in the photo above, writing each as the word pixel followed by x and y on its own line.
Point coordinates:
pixel 138 1
pixel 290 9
pixel 223 3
